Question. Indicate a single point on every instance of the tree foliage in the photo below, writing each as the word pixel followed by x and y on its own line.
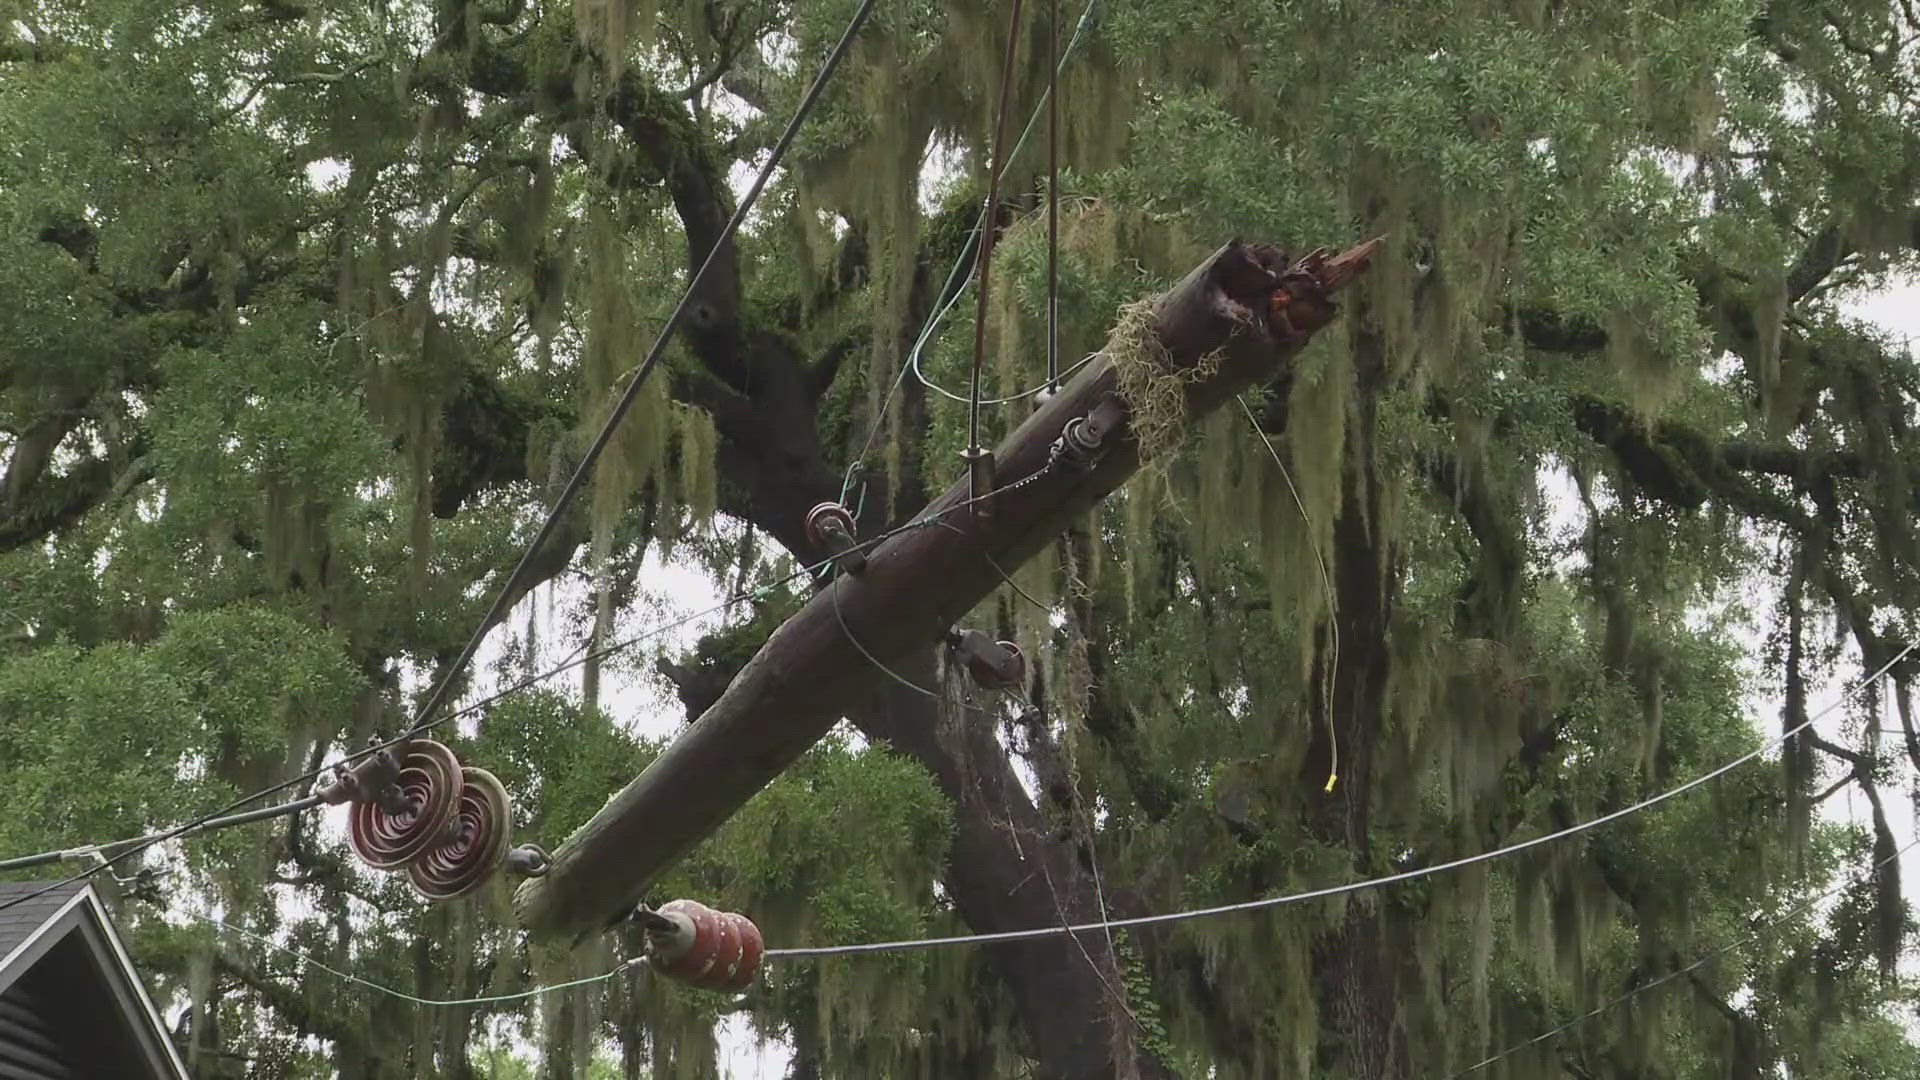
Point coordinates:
pixel 308 308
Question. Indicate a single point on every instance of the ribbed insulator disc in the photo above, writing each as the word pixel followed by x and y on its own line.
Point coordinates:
pixel 817 520
pixel 475 843
pixel 429 783
pixel 724 954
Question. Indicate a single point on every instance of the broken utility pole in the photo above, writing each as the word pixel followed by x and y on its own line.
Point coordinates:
pixel 1228 325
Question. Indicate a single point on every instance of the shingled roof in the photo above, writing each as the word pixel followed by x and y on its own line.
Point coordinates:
pixel 71 1005
pixel 17 923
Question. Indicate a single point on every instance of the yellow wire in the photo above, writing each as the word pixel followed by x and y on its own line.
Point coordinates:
pixel 1331 669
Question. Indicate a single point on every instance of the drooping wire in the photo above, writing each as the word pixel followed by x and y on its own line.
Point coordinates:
pixel 983 271
pixel 1330 891
pixel 437 695
pixel 955 288
pixel 307 961
pixel 224 818
pixel 636 961
pixel 1791 913
pixel 574 483
pixel 1108 925
pixel 1331 669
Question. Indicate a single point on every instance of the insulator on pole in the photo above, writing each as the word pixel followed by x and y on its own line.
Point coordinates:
pixel 1083 442
pixel 694 944
pixel 831 529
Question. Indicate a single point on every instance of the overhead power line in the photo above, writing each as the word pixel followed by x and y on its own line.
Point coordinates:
pixel 226 818
pixel 307 961
pixel 1792 913
pixel 961 273
pixel 1103 925
pixel 423 719
pixel 632 393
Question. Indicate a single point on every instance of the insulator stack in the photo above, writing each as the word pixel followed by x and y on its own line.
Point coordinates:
pixel 694 944
pixel 428 789
pixel 474 844
pixel 415 808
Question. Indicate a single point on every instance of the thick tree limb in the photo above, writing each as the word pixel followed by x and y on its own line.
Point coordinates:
pixel 914 587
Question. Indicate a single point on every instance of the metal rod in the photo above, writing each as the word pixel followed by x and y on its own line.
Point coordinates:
pixel 994 168
pixel 1053 196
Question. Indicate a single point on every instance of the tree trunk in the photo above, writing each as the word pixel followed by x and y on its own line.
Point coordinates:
pixel 1007 870
pixel 1356 969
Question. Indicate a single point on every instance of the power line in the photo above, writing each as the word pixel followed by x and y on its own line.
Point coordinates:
pixel 216 820
pixel 308 961
pixel 503 598
pixel 1791 914
pixel 957 278
pixel 437 695
pixel 1352 886
pixel 1053 195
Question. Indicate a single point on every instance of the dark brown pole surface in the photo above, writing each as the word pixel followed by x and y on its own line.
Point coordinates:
pixel 1243 301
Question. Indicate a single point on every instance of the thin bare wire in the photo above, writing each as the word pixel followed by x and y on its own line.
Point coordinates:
pixel 1791 913
pixel 145 841
pixel 307 961
pixel 1330 891
pixel 501 600
pixel 955 287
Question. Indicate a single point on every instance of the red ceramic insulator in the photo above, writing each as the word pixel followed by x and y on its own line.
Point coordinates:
pixel 474 844
pixel 428 789
pixel 713 950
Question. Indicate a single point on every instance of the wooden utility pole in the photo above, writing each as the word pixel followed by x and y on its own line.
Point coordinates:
pixel 1228 325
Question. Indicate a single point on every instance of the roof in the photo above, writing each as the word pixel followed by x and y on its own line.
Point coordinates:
pixel 18 922
pixel 61 957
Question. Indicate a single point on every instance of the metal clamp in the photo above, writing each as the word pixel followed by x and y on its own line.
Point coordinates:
pixel 371 779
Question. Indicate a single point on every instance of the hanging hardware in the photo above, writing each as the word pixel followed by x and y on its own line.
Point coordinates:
pixel 693 943
pixel 369 780
pixel 415 808
pixel 980 486
pixel 831 529
pixel 1083 441
pixel 427 788
pixel 994 665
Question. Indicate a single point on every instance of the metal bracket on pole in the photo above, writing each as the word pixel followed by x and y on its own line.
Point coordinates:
pixel 980 481
pixel 1083 442
pixel 995 665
